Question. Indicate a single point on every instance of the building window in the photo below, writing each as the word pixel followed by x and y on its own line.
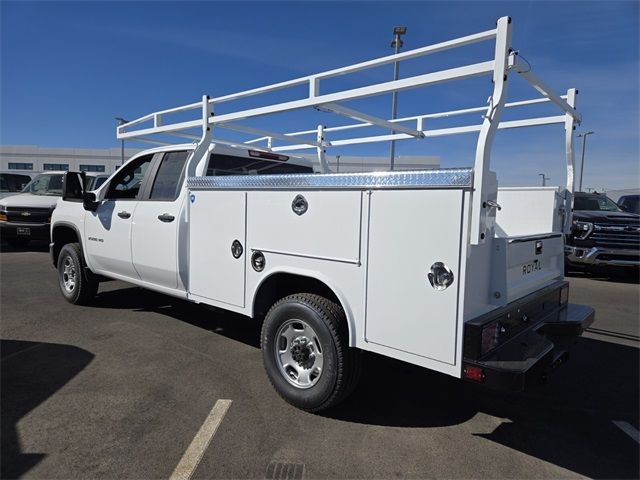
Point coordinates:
pixel 55 166
pixel 20 166
pixel 92 168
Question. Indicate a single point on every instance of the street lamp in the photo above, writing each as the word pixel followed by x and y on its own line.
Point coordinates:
pixel 396 44
pixel 544 179
pixel 121 121
pixel 584 142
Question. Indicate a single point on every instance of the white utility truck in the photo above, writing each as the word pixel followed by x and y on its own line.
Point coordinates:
pixel 438 268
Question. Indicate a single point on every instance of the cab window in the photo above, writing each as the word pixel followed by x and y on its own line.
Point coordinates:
pixel 126 183
pixel 170 176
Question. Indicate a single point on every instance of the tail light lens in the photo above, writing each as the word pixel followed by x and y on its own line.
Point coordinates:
pixel 473 373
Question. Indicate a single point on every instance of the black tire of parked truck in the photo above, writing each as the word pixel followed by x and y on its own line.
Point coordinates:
pixel 77 283
pixel 306 353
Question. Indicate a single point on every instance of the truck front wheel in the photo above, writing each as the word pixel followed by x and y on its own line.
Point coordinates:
pixel 306 353
pixel 77 284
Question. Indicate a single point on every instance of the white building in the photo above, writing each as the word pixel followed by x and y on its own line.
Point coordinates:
pixel 34 159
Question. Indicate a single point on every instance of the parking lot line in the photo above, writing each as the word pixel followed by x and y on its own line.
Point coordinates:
pixel 192 456
pixel 629 429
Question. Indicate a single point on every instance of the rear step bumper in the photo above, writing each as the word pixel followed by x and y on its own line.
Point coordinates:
pixel 529 357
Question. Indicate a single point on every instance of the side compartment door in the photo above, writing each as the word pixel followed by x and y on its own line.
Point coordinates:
pixel 108 229
pixel 409 231
pixel 157 221
pixel 217 227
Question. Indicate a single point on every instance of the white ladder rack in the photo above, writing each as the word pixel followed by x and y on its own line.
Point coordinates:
pixel 505 62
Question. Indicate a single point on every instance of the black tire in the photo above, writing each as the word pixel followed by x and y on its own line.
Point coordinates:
pixel 77 283
pixel 18 241
pixel 341 365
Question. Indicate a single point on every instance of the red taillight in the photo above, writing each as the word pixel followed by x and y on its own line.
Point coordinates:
pixel 474 373
pixel 268 156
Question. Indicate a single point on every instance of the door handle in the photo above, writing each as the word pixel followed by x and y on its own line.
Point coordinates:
pixel 165 217
pixel 124 214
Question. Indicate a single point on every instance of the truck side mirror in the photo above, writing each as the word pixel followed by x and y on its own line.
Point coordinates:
pixel 73 186
pixel 623 207
pixel 90 201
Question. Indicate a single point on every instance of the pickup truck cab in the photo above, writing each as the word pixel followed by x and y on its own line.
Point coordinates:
pixel 439 268
pixel 26 216
pixel 602 234
pixel 146 198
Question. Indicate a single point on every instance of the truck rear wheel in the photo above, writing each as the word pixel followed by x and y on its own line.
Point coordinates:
pixel 77 284
pixel 306 353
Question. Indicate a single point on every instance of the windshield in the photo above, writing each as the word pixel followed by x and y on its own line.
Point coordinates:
pixel 600 203
pixel 45 184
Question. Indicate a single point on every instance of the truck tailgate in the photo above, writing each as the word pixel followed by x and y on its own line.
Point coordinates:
pixel 524 264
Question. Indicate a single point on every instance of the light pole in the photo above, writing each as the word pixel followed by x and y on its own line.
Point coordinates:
pixel 121 121
pixel 396 44
pixel 544 179
pixel 584 142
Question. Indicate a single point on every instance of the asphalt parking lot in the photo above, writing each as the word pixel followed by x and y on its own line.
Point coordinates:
pixel 121 388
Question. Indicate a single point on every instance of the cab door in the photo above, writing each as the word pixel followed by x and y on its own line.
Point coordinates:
pixel 108 229
pixel 159 220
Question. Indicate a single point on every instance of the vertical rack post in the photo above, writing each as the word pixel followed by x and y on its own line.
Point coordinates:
pixel 205 140
pixel 479 205
pixel 569 129
pixel 322 157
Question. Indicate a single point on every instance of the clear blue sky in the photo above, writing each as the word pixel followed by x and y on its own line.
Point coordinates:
pixel 67 69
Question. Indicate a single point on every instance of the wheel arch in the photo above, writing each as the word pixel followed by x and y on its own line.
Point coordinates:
pixel 62 234
pixel 282 282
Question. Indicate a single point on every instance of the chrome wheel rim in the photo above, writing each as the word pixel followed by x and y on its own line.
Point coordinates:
pixel 69 274
pixel 298 353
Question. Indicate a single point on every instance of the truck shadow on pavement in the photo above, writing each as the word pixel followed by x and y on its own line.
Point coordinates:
pixel 30 373
pixel 231 325
pixel 567 422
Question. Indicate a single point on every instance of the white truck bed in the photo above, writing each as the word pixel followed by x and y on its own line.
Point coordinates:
pixel 371 237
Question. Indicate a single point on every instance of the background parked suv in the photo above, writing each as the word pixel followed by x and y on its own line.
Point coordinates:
pixel 27 216
pixel 602 234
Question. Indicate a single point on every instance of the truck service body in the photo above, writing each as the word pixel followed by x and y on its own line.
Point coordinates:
pixel 439 268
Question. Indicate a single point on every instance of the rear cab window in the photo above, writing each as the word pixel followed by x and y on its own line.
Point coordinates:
pixel 169 177
pixel 220 165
